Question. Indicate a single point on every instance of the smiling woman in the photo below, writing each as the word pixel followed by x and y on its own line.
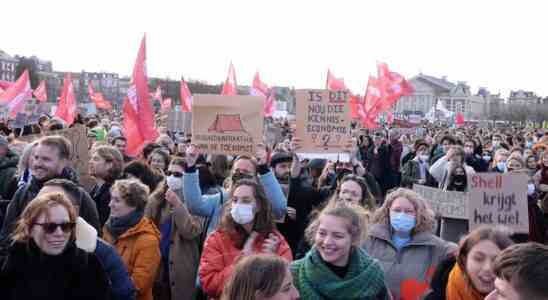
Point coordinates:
pixel 44 262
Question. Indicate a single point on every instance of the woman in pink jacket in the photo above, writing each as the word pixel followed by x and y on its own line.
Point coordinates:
pixel 247 227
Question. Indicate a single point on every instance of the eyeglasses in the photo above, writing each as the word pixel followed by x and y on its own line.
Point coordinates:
pixel 52 227
pixel 175 174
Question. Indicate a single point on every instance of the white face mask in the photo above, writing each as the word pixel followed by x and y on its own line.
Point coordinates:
pixel 242 213
pixel 530 189
pixel 174 183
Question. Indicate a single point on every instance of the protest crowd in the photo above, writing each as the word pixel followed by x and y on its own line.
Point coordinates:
pixel 87 213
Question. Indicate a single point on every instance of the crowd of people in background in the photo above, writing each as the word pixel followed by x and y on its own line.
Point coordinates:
pixel 177 223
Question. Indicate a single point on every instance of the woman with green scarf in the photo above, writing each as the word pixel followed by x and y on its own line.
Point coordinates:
pixel 336 267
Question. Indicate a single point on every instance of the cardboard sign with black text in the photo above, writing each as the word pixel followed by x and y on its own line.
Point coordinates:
pixel 447 204
pixel 231 125
pixel 499 199
pixel 323 120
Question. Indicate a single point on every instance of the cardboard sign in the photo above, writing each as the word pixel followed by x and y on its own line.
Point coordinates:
pixel 231 125
pixel 447 204
pixel 323 120
pixel 499 199
pixel 178 121
pixel 79 153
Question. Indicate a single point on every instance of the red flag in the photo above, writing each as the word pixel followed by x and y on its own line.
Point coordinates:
pixel 186 97
pixel 16 94
pixel 40 92
pixel 334 84
pixel 66 109
pixel 355 103
pixel 230 87
pixel 138 96
pixel 135 140
pixel 98 99
pixel 259 88
pixel 158 94
pixel 391 87
pixel 389 117
pixel 459 119
pixel 4 85
pixel 166 105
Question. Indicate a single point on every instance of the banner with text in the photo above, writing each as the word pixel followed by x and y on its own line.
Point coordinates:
pixel 499 199
pixel 447 204
pixel 323 120
pixel 227 124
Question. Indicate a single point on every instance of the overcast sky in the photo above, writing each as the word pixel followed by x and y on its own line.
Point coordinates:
pixel 497 44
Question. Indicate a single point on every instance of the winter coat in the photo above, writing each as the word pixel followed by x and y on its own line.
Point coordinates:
pixel 8 168
pixel 440 172
pixel 32 275
pixel 408 272
pixel 184 248
pixel 210 206
pixel 220 255
pixel 101 197
pixel 27 192
pixel 411 175
pixel 139 248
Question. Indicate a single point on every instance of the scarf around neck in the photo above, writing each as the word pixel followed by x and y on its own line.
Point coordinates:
pixel 119 225
pixel 364 279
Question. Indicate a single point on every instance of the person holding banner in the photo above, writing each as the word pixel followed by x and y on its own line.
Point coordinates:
pixel 210 206
pixel 401 239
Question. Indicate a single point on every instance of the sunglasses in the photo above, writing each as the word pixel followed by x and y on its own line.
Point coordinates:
pixel 175 174
pixel 52 227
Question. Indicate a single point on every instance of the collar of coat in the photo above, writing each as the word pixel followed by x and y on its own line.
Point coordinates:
pixel 383 232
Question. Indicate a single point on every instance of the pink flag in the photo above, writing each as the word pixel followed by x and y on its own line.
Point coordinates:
pixel 142 108
pixel 334 84
pixel 98 99
pixel 132 133
pixel 186 97
pixel 40 92
pixel 66 109
pixel 4 85
pixel 15 96
pixel 259 88
pixel 230 87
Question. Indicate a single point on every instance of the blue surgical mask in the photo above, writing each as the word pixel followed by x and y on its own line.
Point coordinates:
pixel 487 158
pixel 402 222
pixel 529 145
pixel 501 166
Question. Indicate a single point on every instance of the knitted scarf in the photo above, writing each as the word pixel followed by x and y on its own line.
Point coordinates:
pixel 364 279
pixel 119 225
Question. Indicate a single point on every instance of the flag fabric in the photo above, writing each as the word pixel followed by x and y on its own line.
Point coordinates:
pixel 333 83
pixel 355 103
pixel 98 99
pixel 259 88
pixel 4 85
pixel 138 97
pixel 389 117
pixel 459 119
pixel 186 97
pixel 166 105
pixel 230 87
pixel 158 94
pixel 40 92
pixel 15 96
pixel 66 109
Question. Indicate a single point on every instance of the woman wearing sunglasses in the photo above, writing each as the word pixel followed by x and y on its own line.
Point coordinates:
pixel 134 236
pixel 44 262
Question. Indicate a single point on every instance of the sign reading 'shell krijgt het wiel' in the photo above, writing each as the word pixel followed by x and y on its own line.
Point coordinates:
pixel 323 120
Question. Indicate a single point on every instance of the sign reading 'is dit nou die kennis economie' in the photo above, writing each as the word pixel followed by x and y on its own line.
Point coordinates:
pixel 499 199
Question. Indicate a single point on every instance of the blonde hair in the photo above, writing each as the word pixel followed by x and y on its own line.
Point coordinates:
pixel 425 215
pixel 133 192
pixel 37 207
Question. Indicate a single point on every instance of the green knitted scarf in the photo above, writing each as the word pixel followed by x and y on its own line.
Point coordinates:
pixel 364 279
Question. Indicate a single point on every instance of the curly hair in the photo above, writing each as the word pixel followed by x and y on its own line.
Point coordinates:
pixel 132 191
pixel 425 215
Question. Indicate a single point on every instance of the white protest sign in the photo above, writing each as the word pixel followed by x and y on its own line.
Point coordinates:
pixel 447 204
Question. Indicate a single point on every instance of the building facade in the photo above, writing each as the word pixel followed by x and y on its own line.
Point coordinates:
pixel 522 97
pixel 7 67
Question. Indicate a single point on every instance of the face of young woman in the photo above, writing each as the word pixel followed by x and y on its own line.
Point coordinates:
pixel 118 206
pixel 333 240
pixel 287 291
pixel 351 192
pixel 51 243
pixel 157 162
pixel 479 265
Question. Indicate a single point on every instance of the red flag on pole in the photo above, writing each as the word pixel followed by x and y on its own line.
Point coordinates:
pixel 135 140
pixel 66 109
pixel 4 85
pixel 259 88
pixel 98 99
pixel 138 96
pixel 15 96
pixel 333 83
pixel 40 92
pixel 230 87
pixel 186 97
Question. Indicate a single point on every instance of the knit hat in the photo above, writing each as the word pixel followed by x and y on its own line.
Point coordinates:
pixel 280 157
pixel 317 163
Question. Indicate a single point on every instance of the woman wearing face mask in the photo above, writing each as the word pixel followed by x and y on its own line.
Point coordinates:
pixel 134 236
pixel 441 170
pixel 246 228
pixel 472 276
pixel 180 237
pixel 415 171
pixel 44 262
pixel 401 239
pixel 336 267
pixel 499 161
pixel 261 277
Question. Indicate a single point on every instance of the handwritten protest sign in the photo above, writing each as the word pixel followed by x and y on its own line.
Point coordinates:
pixel 323 120
pixel 499 199
pixel 447 204
pixel 178 121
pixel 227 124
pixel 79 152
